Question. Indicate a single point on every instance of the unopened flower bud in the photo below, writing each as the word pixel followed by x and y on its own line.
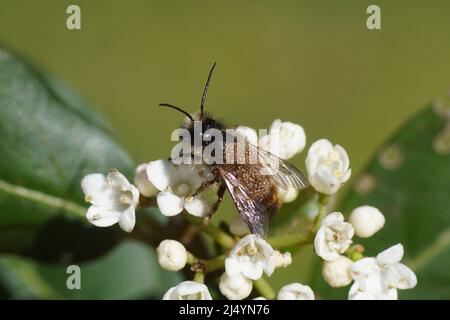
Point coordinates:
pixel 235 287
pixel 366 221
pixel 238 227
pixel 287 195
pixel 295 291
pixel 188 290
pixel 172 255
pixel 337 272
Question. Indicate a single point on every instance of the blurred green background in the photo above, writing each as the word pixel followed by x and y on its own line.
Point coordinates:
pixel 310 62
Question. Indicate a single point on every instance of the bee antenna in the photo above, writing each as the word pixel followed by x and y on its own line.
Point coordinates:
pixel 178 109
pixel 202 105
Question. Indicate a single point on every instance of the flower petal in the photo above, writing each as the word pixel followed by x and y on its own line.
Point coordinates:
pixel 399 276
pixel 116 178
pixel 321 247
pixel 251 270
pixel 332 218
pixel 286 139
pixel 146 188
pixel 93 183
pixel 169 204
pixel 232 266
pixel 102 217
pixel 197 206
pixel 134 195
pixel 362 268
pixel 391 255
pixel 127 220
pixel 160 173
pixel 356 294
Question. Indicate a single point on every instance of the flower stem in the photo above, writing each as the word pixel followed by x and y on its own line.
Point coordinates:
pixel 191 260
pixel 290 240
pixel 206 266
pixel 199 277
pixel 215 263
pixel 222 238
pixel 322 202
pixel 264 289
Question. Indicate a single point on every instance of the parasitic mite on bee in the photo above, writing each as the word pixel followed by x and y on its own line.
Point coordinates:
pixel 251 184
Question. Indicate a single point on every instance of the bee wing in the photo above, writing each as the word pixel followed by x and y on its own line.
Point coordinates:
pixel 282 172
pixel 253 212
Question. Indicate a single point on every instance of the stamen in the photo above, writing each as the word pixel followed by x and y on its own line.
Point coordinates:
pixel 125 200
pixel 338 173
pixel 251 249
pixel 335 156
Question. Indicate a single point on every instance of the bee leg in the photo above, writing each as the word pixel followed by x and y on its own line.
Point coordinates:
pixel 203 187
pixel 216 205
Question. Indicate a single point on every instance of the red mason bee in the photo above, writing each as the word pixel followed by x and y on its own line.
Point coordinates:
pixel 254 194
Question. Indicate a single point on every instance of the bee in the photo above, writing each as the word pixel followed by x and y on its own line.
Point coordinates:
pixel 255 195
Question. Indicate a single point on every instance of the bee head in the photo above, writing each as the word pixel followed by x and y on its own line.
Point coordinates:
pixel 193 122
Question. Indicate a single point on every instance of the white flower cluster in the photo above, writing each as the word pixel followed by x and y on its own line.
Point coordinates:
pixel 179 188
pixel 374 278
pixel 328 167
pixel 249 259
pixel 379 278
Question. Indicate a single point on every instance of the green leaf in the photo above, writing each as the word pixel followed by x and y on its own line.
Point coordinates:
pixel 409 181
pixel 129 271
pixel 48 141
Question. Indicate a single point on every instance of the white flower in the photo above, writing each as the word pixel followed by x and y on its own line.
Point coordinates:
pixel 235 287
pixel 146 188
pixel 285 139
pixel 259 298
pixel 295 291
pixel 283 259
pixel 337 272
pixel 333 237
pixel 172 255
pixel 366 221
pixel 247 132
pixel 238 227
pixel 113 200
pixel 371 288
pixel 379 278
pixel 188 290
pixel 251 256
pixel 327 166
pixel 176 185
